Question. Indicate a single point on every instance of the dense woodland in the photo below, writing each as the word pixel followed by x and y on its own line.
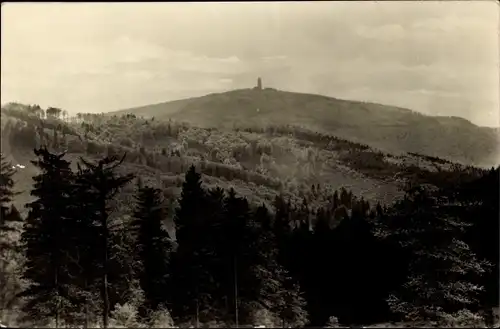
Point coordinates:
pixel 77 258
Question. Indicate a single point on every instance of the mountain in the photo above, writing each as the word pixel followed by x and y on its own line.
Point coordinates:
pixel 388 128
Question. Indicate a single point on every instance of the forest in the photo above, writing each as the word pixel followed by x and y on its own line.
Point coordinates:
pixel 300 253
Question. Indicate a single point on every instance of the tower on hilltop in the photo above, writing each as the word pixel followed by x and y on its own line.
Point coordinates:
pixel 259 83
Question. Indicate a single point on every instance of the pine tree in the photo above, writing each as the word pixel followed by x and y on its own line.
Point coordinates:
pixel 190 275
pixel 426 225
pixel 275 287
pixel 357 294
pixel 46 240
pixel 479 204
pixel 320 276
pixel 9 216
pixel 265 267
pixel 124 269
pixel 292 310
pixel 282 228
pixel 335 201
pixel 84 236
pixel 10 260
pixel 6 189
pixel 344 197
pixel 101 183
pixel 153 246
pixel 215 240
pixel 235 253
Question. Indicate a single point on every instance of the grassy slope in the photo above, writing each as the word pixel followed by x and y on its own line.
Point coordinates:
pixel 389 128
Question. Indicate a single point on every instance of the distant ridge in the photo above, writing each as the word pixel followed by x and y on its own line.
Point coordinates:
pixel 390 128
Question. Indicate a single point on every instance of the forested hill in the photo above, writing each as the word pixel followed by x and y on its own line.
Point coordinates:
pixel 389 128
pixel 275 226
pixel 259 162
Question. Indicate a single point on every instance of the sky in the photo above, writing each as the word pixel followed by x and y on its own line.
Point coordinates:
pixel 439 58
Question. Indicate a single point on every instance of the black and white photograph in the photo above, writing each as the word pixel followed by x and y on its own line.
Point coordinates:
pixel 238 164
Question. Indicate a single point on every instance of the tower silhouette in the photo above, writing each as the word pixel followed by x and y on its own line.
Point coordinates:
pixel 259 83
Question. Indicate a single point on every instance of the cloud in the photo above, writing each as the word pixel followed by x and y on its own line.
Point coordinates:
pixel 275 58
pixel 451 23
pixel 226 81
pixel 128 50
pixel 100 56
pixel 204 64
pixel 389 32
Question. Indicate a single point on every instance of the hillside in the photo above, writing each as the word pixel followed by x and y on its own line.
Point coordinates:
pixel 303 201
pixel 391 129
pixel 258 163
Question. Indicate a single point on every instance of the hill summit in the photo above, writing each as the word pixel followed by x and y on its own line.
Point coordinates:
pixel 391 129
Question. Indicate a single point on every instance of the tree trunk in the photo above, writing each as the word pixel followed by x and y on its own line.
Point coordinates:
pixel 235 293
pixel 197 314
pixel 226 304
pixel 105 299
pixel 58 298
pixel 105 296
pixel 86 319
pixel 3 286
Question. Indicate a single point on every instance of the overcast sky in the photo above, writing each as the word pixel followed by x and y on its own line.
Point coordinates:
pixel 435 57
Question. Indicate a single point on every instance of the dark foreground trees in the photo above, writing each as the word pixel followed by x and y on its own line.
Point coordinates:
pixel 47 240
pixel 9 215
pixel 101 183
pixel 6 187
pixel 428 226
pixel 191 278
pixel 153 247
pixel 67 236
pixel 423 258
pixel 10 220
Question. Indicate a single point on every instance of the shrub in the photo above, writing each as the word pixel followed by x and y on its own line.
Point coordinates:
pixel 332 322
pixel 463 318
pixel 124 316
pixel 161 319
pixel 266 318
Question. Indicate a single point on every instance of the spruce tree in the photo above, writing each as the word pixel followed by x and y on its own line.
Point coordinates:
pixel 265 267
pixel 356 292
pixel 235 253
pixel 282 228
pixel 101 182
pixel 275 287
pixel 319 277
pixel 190 273
pixel 45 238
pixel 153 246
pixel 479 202
pixel 426 225
pixel 6 189
pixel 215 235
pixel 292 309
pixel 9 216
pixel 84 263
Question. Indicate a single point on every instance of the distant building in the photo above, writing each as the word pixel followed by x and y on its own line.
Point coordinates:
pixel 259 83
